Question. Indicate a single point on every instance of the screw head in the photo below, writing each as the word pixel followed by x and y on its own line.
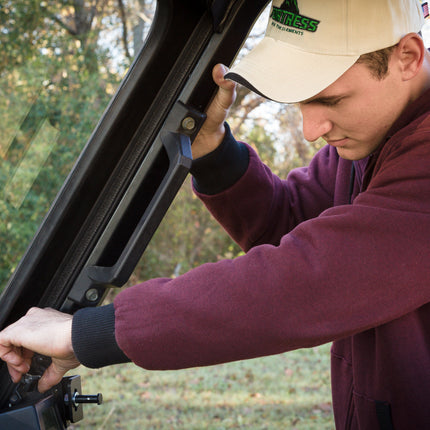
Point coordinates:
pixel 188 123
pixel 92 294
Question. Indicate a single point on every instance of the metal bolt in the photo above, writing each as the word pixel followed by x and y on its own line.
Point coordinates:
pixel 188 123
pixel 92 294
pixel 87 398
pixel 13 399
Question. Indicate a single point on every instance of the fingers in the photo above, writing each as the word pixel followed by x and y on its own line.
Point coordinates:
pixel 18 360
pixel 15 374
pixel 43 331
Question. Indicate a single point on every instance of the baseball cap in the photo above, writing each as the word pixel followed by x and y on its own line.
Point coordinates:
pixel 309 44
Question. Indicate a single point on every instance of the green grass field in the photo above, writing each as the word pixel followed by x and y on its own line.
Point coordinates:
pixel 287 391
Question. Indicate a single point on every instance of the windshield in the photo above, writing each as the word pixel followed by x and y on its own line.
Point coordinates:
pixel 62 63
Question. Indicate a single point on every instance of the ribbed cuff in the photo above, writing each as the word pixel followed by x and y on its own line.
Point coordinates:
pixel 221 168
pixel 93 337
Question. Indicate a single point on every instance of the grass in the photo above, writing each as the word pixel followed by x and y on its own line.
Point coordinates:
pixel 287 391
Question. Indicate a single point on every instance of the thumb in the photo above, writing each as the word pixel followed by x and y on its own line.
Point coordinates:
pixel 51 377
pixel 226 94
pixel 55 372
pixel 212 131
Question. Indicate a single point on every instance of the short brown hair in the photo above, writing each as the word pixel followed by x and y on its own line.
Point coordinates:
pixel 377 61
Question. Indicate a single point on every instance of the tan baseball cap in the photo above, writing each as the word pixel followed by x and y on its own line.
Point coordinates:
pixel 310 43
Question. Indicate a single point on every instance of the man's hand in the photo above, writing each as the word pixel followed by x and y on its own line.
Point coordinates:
pixel 212 131
pixel 43 331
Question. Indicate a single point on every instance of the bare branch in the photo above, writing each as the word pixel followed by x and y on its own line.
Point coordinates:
pixel 124 28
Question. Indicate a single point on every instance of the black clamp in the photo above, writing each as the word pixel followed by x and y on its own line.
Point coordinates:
pixel 73 400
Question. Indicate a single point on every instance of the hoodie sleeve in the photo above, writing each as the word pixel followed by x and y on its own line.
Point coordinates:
pixel 254 205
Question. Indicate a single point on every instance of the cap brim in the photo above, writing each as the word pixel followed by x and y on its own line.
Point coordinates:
pixel 284 74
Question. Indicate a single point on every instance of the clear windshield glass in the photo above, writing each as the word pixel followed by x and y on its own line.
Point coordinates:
pixel 61 64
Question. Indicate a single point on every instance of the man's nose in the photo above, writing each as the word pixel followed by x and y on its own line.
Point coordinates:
pixel 315 123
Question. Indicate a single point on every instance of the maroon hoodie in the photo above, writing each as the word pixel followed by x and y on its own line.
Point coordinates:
pixel 317 269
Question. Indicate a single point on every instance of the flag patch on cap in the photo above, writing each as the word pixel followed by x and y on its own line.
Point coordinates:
pixel 425 7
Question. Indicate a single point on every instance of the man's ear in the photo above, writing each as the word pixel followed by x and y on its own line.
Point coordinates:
pixel 410 54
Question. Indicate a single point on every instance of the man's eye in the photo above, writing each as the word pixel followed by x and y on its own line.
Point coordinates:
pixel 330 103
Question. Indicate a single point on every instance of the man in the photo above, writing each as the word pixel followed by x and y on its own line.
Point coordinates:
pixel 337 252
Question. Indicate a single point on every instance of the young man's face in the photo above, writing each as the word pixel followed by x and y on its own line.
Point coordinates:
pixel 355 112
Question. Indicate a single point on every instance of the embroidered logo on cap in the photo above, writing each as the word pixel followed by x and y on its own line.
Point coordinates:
pixel 288 14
